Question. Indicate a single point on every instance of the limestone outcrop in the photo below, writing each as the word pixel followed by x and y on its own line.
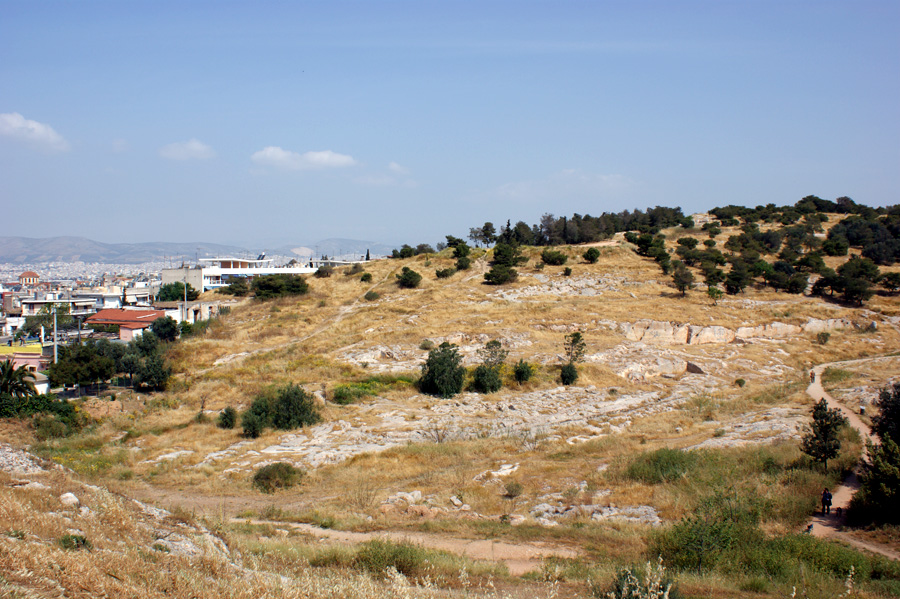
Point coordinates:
pixel 672 333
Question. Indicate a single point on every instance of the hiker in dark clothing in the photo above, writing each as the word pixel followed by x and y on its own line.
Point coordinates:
pixel 826 502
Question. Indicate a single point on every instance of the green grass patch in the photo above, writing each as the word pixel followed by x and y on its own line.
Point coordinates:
pixel 836 375
pixel 662 465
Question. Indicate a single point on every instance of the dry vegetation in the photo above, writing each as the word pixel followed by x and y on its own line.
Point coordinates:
pixel 157 449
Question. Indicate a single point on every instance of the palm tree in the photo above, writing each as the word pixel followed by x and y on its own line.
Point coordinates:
pixel 16 382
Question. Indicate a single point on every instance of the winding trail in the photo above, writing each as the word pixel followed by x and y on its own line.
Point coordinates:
pixel 519 558
pixel 829 526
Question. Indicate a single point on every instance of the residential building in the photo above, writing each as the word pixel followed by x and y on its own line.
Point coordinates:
pixel 131 323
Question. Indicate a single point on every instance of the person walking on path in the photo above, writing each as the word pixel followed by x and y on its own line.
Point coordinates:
pixel 826 502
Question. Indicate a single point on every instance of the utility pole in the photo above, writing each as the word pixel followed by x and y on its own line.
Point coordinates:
pixel 184 305
pixel 55 350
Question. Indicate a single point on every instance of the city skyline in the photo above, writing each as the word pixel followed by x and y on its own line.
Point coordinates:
pixel 400 122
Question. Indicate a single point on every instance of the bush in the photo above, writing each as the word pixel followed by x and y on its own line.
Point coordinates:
pixel 652 583
pixel 740 382
pixel 279 475
pixel 486 379
pixel 253 424
pixel 324 271
pixel 662 465
pixel 501 274
pixel 377 556
pixel 238 287
pixel 463 263
pixel 442 373
pixel 553 257
pixel 426 344
pixel 591 256
pixel 371 296
pixel 523 371
pixel 227 418
pixel 568 374
pixel 823 337
pixel 347 394
pixel 294 408
pixel 281 285
pixel 567 271
pixel 408 278
pixel 513 489
pixel 74 542
pixel 879 492
pixel 366 277
pixel 445 273
pixel 165 328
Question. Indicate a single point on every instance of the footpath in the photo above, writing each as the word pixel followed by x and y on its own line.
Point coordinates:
pixel 829 526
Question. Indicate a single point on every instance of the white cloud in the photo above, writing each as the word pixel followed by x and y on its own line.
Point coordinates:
pixel 13 124
pixel 193 149
pixel 400 170
pixel 293 161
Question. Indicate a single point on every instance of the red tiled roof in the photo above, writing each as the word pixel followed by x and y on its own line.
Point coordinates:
pixel 28 273
pixel 124 317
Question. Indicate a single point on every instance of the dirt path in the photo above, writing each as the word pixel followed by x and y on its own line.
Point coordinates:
pixel 829 526
pixel 519 558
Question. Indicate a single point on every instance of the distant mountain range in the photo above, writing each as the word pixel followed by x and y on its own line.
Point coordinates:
pixel 18 250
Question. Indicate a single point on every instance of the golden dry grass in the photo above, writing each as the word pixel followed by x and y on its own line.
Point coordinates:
pixel 305 340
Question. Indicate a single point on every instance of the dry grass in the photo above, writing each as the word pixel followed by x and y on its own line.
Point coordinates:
pixel 305 340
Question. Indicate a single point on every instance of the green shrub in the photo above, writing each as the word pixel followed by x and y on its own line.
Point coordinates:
pixel 501 274
pixel 486 379
pixel 553 257
pixel 408 278
pixel 650 583
pixel 442 373
pixel 377 556
pixel 722 530
pixel 279 285
pixel 568 374
pixel 279 475
pixel 567 271
pixel 822 337
pixel 445 273
pixel 426 344
pixel 48 426
pixel 348 394
pixel 662 465
pixel 740 382
pixel 227 418
pixel 463 263
pixel 591 256
pixel 74 542
pixel 366 277
pixel 513 489
pixel 294 408
pixel 371 296
pixel 523 371
pixel 324 271
pixel 253 424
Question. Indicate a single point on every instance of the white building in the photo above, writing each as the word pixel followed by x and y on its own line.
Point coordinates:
pixel 216 272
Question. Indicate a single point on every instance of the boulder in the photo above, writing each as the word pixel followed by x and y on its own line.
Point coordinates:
pixel 69 499
pixel 773 330
pixel 816 325
pixel 713 334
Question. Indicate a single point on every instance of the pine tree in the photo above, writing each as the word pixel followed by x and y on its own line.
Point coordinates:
pixel 821 441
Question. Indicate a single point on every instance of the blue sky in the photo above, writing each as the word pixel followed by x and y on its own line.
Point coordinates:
pixel 266 123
